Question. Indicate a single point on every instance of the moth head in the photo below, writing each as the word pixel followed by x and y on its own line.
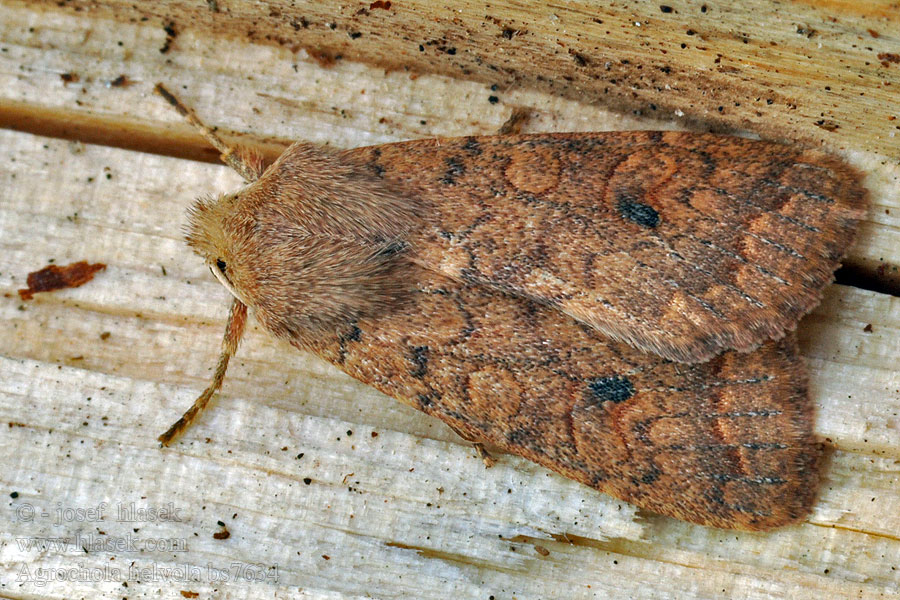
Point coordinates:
pixel 312 246
pixel 207 233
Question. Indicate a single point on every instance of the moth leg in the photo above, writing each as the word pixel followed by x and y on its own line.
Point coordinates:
pixel 488 460
pixel 237 318
pixel 485 456
pixel 245 161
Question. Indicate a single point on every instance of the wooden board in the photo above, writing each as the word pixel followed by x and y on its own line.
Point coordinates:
pixel 823 71
pixel 90 376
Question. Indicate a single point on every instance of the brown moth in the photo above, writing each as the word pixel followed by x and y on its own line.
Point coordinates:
pixel 617 307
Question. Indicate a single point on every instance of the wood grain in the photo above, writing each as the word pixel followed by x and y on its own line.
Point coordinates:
pixel 817 72
pixel 411 511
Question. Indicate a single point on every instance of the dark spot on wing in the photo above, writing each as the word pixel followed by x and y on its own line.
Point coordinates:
pixel 426 401
pixel 392 248
pixel 420 360
pixel 454 169
pixel 617 388
pixel 650 476
pixel 354 335
pixel 636 212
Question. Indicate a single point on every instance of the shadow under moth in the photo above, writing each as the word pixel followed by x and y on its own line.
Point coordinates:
pixel 618 307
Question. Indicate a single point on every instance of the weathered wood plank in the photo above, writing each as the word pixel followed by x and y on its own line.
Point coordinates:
pixel 410 512
pixel 820 72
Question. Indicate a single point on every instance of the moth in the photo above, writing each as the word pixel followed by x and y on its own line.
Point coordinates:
pixel 618 307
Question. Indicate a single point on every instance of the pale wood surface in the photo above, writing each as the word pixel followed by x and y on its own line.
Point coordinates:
pixel 818 71
pixel 409 513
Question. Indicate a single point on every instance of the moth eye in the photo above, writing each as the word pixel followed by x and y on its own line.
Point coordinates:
pixel 220 264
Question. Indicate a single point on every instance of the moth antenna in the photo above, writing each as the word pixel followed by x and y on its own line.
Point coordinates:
pixel 237 318
pixel 246 163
